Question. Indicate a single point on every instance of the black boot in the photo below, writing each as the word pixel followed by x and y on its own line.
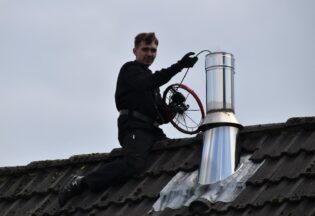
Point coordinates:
pixel 73 187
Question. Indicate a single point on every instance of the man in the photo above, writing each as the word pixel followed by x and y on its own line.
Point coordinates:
pixel 139 102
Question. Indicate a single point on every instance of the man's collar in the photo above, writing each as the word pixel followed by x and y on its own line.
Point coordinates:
pixel 142 65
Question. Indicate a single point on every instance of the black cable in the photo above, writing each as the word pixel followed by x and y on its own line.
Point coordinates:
pixel 202 51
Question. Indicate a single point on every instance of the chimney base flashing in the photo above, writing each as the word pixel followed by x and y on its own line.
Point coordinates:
pixel 184 190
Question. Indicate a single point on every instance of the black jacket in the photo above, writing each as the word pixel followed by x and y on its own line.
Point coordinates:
pixel 137 89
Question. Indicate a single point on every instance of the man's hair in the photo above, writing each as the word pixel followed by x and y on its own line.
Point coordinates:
pixel 147 38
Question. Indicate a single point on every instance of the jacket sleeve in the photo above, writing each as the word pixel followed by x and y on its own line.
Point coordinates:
pixel 142 80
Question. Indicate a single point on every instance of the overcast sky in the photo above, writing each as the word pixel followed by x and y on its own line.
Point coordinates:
pixel 59 62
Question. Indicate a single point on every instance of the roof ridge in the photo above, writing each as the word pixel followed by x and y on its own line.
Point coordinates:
pixel 167 144
pixel 35 165
pixel 94 157
pixel 290 123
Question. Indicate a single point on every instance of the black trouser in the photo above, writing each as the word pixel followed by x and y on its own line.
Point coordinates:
pixel 136 146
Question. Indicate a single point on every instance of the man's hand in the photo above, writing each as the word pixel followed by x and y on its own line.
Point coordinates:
pixel 187 61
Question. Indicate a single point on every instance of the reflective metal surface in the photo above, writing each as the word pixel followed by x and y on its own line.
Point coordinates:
pixel 215 119
pixel 220 124
pixel 218 154
pixel 215 59
pixel 220 81
pixel 184 190
pixel 216 179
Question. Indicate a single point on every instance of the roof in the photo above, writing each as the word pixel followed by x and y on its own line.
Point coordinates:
pixel 283 185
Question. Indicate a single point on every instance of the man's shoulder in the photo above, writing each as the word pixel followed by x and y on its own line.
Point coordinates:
pixel 129 64
pixel 133 66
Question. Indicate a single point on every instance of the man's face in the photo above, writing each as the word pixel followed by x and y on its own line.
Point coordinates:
pixel 145 53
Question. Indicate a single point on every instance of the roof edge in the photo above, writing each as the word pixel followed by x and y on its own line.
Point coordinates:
pixel 35 165
pixel 308 122
pixel 94 157
pixel 294 122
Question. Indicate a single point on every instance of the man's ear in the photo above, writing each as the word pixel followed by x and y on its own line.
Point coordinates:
pixel 134 51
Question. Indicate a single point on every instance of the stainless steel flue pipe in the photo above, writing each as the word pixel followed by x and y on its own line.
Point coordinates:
pixel 220 125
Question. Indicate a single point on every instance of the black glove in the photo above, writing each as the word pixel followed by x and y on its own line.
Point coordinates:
pixel 188 61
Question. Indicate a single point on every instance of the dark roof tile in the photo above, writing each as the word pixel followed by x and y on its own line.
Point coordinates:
pixel 290 208
pixel 283 185
pixel 186 158
pixel 174 212
pixel 274 168
pixel 288 141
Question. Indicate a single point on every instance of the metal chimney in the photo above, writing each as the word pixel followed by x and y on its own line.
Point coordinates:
pixel 220 125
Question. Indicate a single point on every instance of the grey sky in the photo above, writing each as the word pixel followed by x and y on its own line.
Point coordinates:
pixel 59 62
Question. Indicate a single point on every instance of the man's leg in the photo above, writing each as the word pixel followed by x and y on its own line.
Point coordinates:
pixel 95 181
pixel 136 146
